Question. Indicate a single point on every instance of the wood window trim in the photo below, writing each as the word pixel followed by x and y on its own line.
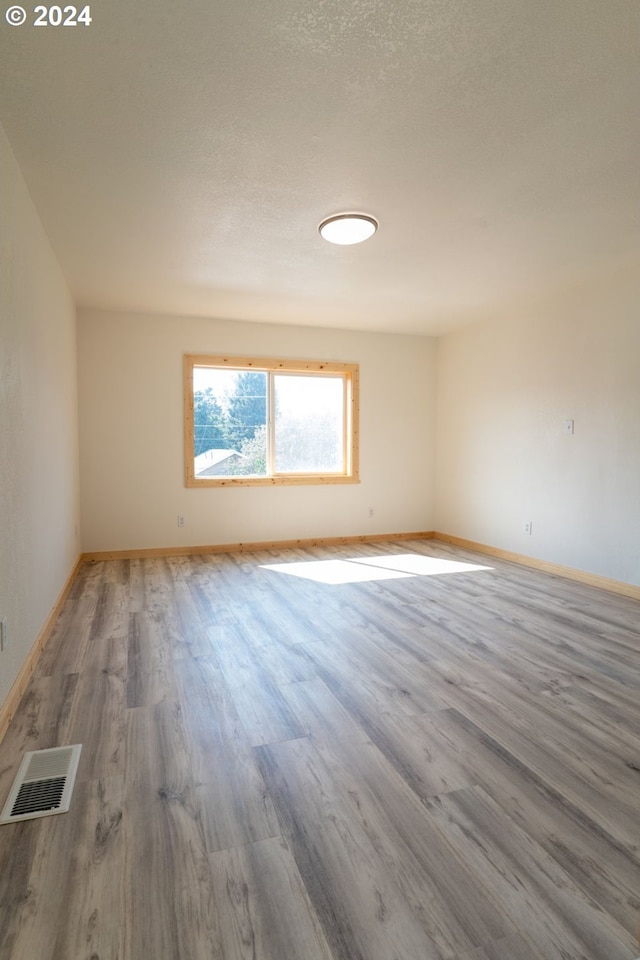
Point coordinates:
pixel 349 371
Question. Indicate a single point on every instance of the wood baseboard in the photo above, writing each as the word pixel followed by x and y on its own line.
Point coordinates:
pixel 581 576
pixel 570 573
pixel 252 547
pixel 13 698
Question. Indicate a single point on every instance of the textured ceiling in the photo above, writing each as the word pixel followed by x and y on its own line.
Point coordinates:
pixel 182 155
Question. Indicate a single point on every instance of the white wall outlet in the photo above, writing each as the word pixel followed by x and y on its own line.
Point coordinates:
pixel 528 527
pixel 569 426
pixel 371 511
pixel 4 637
pixel 180 520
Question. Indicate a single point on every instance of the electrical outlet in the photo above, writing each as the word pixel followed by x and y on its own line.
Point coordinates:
pixel 4 638
pixel 371 511
pixel 569 426
pixel 180 521
pixel 528 527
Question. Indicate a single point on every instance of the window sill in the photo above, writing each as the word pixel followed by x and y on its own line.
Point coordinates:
pixel 192 482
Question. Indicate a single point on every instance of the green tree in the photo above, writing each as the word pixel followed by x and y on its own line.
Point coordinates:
pixel 254 456
pixel 209 422
pixel 247 410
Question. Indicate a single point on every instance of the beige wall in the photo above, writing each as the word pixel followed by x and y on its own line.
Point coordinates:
pixel 39 542
pixel 131 428
pixel 505 390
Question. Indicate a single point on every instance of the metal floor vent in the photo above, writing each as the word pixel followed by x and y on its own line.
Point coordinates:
pixel 43 784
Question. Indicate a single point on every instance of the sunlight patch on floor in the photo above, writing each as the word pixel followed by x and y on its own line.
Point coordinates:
pixel 334 571
pixel 361 569
pixel 419 565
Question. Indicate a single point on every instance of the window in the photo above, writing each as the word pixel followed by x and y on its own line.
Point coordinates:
pixel 257 421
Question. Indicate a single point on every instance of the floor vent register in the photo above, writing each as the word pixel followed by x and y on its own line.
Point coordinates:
pixel 43 784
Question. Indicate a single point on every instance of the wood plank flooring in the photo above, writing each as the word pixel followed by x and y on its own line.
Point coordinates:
pixel 332 754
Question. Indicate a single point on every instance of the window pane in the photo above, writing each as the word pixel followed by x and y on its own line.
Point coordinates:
pixel 268 421
pixel 309 424
pixel 230 422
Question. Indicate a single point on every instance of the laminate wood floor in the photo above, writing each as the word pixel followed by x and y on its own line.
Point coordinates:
pixel 351 753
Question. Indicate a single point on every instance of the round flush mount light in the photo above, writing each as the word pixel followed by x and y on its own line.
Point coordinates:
pixel 347 228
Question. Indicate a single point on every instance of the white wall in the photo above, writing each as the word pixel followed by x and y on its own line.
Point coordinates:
pixel 39 501
pixel 131 429
pixel 505 390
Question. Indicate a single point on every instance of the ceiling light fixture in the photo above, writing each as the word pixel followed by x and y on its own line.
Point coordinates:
pixel 346 228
